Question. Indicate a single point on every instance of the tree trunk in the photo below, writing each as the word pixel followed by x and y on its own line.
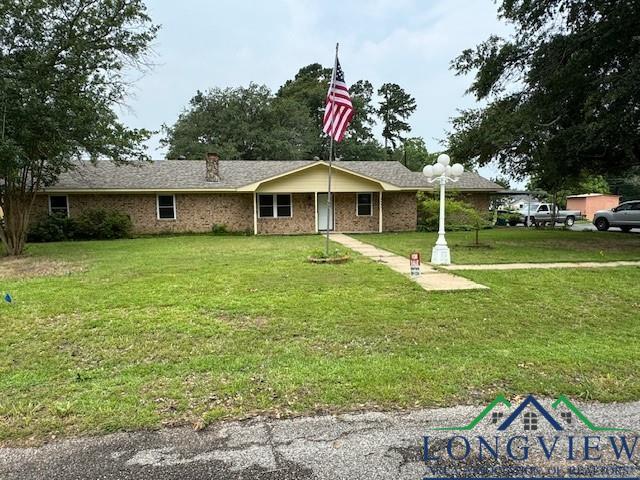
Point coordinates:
pixel 13 232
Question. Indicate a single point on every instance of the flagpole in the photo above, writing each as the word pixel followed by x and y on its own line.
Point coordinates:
pixel 329 202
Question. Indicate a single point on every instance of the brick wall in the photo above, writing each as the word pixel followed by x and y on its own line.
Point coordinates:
pixel 346 218
pixel 399 211
pixel 198 212
pixel 479 200
pixel 194 212
pixel 302 220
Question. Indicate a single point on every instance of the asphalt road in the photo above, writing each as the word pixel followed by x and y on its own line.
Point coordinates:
pixel 355 446
pixel 590 227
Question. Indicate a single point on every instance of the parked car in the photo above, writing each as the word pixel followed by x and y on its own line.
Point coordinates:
pixel 541 214
pixel 626 216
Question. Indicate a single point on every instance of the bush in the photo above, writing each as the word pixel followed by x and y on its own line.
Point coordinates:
pixel 458 215
pixel 222 229
pixel 91 225
pixel 219 229
pixel 98 224
pixel 502 219
pixel 52 228
pixel 514 219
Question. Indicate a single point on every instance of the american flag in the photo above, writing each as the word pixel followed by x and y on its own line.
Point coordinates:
pixel 339 110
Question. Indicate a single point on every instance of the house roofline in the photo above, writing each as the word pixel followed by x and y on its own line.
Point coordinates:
pixel 138 190
pixel 252 187
pixel 231 190
pixel 454 187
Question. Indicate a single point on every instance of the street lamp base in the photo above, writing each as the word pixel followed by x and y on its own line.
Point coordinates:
pixel 440 255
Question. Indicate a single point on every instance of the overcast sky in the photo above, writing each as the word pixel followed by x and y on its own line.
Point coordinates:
pixel 204 44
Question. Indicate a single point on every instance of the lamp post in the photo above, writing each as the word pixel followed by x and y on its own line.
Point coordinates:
pixel 442 173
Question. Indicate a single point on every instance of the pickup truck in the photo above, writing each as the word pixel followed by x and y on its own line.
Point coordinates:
pixel 540 214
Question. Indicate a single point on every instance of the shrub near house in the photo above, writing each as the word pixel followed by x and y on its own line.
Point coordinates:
pixel 459 215
pixel 94 224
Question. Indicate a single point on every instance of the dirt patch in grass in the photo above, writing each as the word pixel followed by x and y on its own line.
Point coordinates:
pixel 19 268
pixel 237 319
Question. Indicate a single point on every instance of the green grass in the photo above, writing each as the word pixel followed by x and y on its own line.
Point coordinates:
pixel 512 245
pixel 174 330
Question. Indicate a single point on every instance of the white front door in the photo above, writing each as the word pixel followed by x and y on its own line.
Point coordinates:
pixel 324 218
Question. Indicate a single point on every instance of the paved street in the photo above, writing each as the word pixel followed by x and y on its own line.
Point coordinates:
pixel 590 227
pixel 542 266
pixel 587 227
pixel 355 446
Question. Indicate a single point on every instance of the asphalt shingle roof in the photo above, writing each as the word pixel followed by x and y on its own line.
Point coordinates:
pixel 190 174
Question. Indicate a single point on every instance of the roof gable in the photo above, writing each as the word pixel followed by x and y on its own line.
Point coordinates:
pixel 313 178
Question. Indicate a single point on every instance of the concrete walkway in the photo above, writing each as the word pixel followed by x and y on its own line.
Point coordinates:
pixel 431 279
pixel 528 266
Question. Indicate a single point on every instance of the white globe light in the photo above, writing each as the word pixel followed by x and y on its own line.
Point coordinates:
pixel 457 169
pixel 443 159
pixel 438 169
pixel 447 170
pixel 427 171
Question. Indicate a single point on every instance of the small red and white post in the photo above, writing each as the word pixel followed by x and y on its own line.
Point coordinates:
pixel 414 262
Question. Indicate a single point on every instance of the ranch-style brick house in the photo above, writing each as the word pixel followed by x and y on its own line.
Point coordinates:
pixel 261 197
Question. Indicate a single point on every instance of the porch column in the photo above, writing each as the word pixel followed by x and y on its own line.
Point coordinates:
pixel 315 203
pixel 255 213
pixel 380 211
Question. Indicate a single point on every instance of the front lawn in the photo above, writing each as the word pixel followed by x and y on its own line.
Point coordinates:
pixel 514 245
pixel 141 333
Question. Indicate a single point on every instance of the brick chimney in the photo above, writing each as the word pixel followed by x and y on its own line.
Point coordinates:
pixel 213 167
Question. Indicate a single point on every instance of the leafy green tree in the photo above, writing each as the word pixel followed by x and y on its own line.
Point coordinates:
pixel 562 95
pixel 309 87
pixel 577 185
pixel 359 142
pixel 241 123
pixel 459 215
pixel 413 154
pixel 626 185
pixel 251 123
pixel 592 184
pixel 61 74
pixel 352 149
pixel 364 116
pixel 395 108
pixel 502 181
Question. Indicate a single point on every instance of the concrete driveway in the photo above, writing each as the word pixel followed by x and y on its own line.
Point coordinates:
pixel 354 446
pixel 590 227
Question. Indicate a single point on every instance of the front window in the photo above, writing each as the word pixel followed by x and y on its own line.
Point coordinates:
pixel 166 207
pixel 365 207
pixel 274 206
pixel 59 205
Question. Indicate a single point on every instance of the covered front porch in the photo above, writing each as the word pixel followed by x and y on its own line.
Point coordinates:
pixel 297 202
pixel 309 212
